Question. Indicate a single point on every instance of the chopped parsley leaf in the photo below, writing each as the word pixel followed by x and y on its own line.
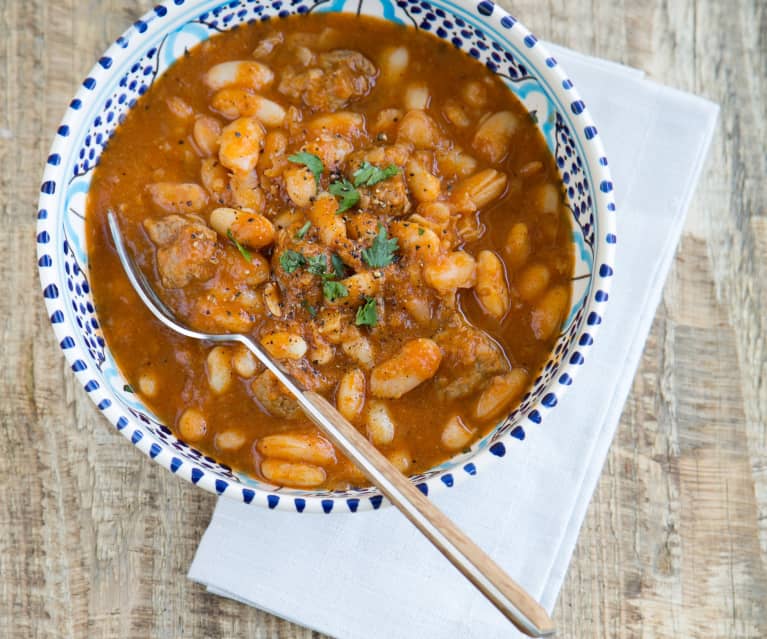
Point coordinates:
pixel 348 195
pixel 243 251
pixel 334 290
pixel 381 252
pixel 368 174
pixel 291 260
pixel 421 230
pixel 309 308
pixel 367 314
pixel 310 161
pixel 302 231
pixel 317 265
pixel 339 269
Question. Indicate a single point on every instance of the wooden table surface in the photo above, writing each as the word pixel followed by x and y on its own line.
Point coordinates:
pixel 95 540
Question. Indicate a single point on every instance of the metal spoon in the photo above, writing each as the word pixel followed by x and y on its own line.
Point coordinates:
pixel 515 604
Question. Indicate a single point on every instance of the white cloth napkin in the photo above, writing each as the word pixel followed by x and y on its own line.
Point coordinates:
pixel 372 575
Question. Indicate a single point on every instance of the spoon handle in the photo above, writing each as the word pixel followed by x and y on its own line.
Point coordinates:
pixel 519 607
pixel 488 577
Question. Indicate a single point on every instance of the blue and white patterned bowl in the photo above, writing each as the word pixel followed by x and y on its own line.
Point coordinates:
pixel 147 49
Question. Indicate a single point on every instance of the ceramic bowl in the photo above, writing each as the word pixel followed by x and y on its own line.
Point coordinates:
pixel 127 70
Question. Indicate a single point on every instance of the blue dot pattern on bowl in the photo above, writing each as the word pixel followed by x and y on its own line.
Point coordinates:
pixel 127 71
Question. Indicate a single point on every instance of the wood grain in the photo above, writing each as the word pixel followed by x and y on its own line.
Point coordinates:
pixel 95 541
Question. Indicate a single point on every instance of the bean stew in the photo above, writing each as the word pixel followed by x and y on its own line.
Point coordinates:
pixel 372 205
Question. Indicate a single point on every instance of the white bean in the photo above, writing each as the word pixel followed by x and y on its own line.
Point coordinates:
pixel 494 135
pixel 416 362
pixel 478 190
pixel 235 103
pixel 244 362
pixel 386 119
pixel 300 185
pixel 419 129
pixel 548 198
pixel 246 191
pixel 424 186
pixel 179 107
pixel 347 124
pixel 380 426
pixel 358 347
pixel 239 72
pixel 148 384
pixel 491 288
pixel 215 179
pixel 517 245
pixel 358 287
pixel 302 447
pixel 456 163
pixel 418 241
pixel 456 434
pixel 417 96
pixel 219 369
pixel 419 309
pixel 532 281
pixel 474 93
pixel 284 345
pixel 331 324
pixel 549 312
pixel 350 396
pixel 455 113
pixel 205 132
pixel 272 299
pixel 240 144
pixel 230 440
pixel 247 227
pixel 499 393
pixel 298 474
pixel 176 197
pixel 400 459
pixel 394 63
pixel 192 425
pixel 455 270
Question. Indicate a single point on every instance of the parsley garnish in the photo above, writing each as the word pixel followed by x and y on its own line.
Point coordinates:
pixel 338 266
pixel 421 230
pixel 310 161
pixel 344 190
pixel 302 231
pixel 381 253
pixel 243 251
pixel 368 174
pixel 367 314
pixel 333 290
pixel 309 308
pixel 317 265
pixel 291 260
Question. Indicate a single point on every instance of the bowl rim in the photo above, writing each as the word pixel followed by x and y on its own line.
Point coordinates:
pixel 549 74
